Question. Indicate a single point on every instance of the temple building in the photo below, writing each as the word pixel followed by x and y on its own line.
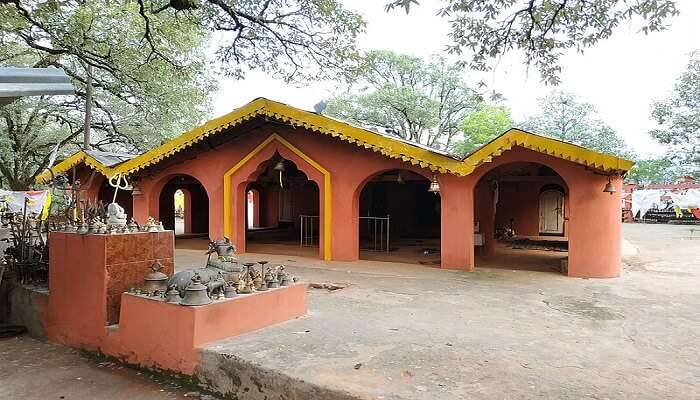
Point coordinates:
pixel 277 179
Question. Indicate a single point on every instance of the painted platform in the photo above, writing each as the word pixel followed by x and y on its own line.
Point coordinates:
pixel 89 275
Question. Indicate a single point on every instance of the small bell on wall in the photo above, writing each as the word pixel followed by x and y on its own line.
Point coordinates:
pixel 609 187
pixel 434 185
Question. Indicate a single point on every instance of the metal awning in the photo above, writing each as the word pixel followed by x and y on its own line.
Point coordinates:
pixel 21 82
pixel 109 159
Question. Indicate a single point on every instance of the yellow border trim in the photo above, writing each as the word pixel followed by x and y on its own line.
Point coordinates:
pixel 72 161
pixel 545 145
pixel 327 212
pixel 263 107
pixel 363 138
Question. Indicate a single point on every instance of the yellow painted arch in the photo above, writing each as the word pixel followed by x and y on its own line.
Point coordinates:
pixel 327 212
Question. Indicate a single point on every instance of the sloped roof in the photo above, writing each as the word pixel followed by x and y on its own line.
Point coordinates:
pixel 101 161
pixel 391 147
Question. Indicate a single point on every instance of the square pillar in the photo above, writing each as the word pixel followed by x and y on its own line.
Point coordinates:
pixel 456 223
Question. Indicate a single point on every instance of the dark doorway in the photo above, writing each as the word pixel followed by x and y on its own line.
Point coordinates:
pixel 399 219
pixel 194 215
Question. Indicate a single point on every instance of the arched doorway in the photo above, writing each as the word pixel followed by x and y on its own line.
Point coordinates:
pixel 521 217
pixel 253 208
pixel 184 206
pixel 399 219
pixel 285 207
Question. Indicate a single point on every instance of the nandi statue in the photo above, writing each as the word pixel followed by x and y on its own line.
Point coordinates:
pixel 224 265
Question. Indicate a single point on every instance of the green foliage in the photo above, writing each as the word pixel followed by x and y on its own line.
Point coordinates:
pixel 295 40
pixel 482 126
pixel 543 30
pixel 653 170
pixel 678 118
pixel 565 117
pixel 144 91
pixel 149 66
pixel 423 102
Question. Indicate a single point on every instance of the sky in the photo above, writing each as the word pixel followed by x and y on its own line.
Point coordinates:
pixel 621 76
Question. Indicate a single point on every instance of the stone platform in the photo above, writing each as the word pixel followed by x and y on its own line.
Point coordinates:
pixel 89 309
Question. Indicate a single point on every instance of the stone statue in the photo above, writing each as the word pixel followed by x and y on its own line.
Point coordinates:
pixel 116 215
pixel 220 269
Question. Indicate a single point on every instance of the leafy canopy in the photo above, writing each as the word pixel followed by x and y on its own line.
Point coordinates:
pixel 483 125
pixel 141 97
pixel 653 170
pixel 678 118
pixel 295 40
pixel 423 102
pixel 542 30
pixel 565 117
pixel 150 70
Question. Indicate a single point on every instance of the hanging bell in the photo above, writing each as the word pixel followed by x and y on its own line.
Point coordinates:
pixel 609 187
pixel 434 185
pixel 173 295
pixel 195 293
pixel 279 167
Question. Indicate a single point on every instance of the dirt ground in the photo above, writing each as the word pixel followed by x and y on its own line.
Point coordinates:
pixel 411 332
pixel 34 370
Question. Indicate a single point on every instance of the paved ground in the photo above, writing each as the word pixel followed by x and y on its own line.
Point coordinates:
pixel 35 370
pixel 410 332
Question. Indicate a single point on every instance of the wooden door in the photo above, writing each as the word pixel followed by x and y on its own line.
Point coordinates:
pixel 552 212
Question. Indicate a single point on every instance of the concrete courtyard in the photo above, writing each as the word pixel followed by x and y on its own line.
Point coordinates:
pixel 413 332
pixel 400 331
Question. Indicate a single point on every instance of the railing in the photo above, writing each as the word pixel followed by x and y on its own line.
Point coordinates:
pixel 378 229
pixel 306 236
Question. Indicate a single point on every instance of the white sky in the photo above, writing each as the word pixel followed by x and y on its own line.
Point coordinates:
pixel 621 76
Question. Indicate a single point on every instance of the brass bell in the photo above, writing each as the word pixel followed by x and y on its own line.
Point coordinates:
pixel 196 293
pixel 273 283
pixel 155 280
pixel 434 185
pixel 230 292
pixel 609 187
pixel 173 295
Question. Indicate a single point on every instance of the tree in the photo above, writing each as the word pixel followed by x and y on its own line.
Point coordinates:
pixel 678 118
pixel 483 125
pixel 148 64
pixel 417 101
pixel 653 170
pixel 141 96
pixel 565 117
pixel 296 40
pixel 543 30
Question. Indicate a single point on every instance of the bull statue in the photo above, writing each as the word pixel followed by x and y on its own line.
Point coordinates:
pixel 223 268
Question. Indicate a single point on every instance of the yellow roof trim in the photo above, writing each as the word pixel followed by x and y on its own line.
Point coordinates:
pixel 389 147
pixel 295 117
pixel 552 147
pixel 72 161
